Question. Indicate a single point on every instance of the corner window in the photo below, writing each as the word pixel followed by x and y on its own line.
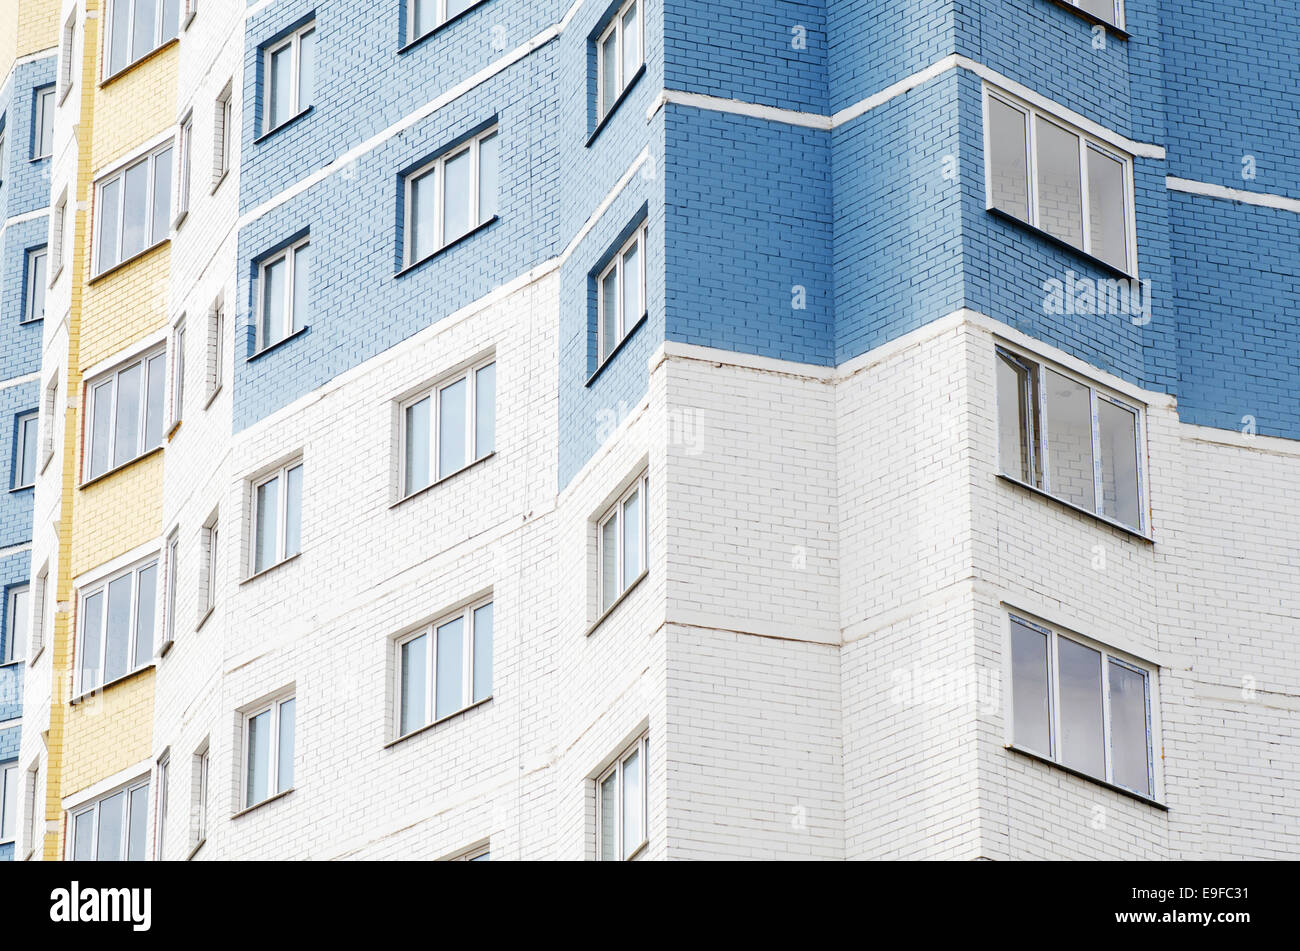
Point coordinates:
pixel 619 54
pixel 9 792
pixel 1070 439
pixel 449 427
pixel 622 543
pixel 117 626
pixel 621 805
pixel 621 288
pixel 425 16
pixel 268 751
pixel 277 517
pixel 282 300
pixel 1060 180
pixel 26 440
pixel 36 279
pixel 1082 706
pixel 451 196
pixel 133 208
pixel 124 415
pixel 112 828
pixel 43 122
pixel 136 28
pixel 290 76
pixel 444 668
pixel 17 617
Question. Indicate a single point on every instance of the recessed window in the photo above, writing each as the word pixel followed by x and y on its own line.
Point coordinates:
pixel 223 131
pixel 290 76
pixel 619 54
pixel 622 543
pixel 216 346
pixel 184 167
pixel 452 195
pixel 136 28
pixel 60 232
pixel 282 300
pixel 1060 180
pixel 173 571
pixel 4 154
pixel 40 604
pixel 199 796
pixel 621 288
pixel 164 768
pixel 211 549
pixel 1070 439
pixel 43 122
pixel 268 751
pixel 427 15
pixel 66 47
pixel 36 280
pixel 114 827
pixel 444 668
pixel 133 208
pixel 117 626
pixel 1082 706
pixel 17 617
pixel 277 517
pixel 125 413
pixel 9 793
pixel 621 805
pixel 26 441
pixel 449 427
pixel 178 371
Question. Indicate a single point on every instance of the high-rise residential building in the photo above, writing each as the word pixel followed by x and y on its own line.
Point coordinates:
pixel 612 429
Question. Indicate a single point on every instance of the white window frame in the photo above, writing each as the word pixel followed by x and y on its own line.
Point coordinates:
pixel 211 553
pixel 216 348
pixel 66 48
pixel 623 79
pixel 13 654
pixel 94 807
pixel 223 118
pixel 1040 442
pixel 32 284
pixel 275 707
pixel 639 745
pixel 436 167
pixel 281 515
pixel 9 791
pixel 639 485
pixel 170 587
pixel 119 175
pixel 292 323
pixel 188 13
pixel 430 630
pixel 49 403
pixel 1117 16
pixel 200 786
pixel 605 348
pixel 1086 141
pixel 36 630
pixel 473 452
pixel 159 39
pixel 294 39
pixel 1149 672
pixel 176 398
pixel 100 586
pixel 142 446
pixel 184 168
pixel 440 18
pixel 59 236
pixel 21 422
pixel 160 810
pixel 43 105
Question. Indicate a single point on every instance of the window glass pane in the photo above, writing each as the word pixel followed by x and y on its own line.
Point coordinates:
pixel 455 7
pixel 609 582
pixel 449 695
pixel 458 196
pixel 44 139
pixel 135 210
pixel 36 286
pixel 284 771
pixel 609 313
pixel 301 285
pixel 1017 416
pixel 155 410
pixel 111 819
pixel 609 72
pixel 273 277
pixel 306 69
pixel 293 512
pixel 120 52
pixel 633 306
pixel 146 615
pixel 118 644
pixel 424 224
pixel 451 428
pixel 268 521
pixel 279 86
pixel 1100 8
pixel 488 163
pixel 83 837
pixel 631 538
pixel 483 652
pixel 1130 762
pixel 423 18
pixel 485 410
pixel 259 758
pixel 1081 728
pixel 139 826
pixel 1029 691
pixel 146 24
pixel 1060 203
pixel 609 818
pixel 27 435
pixel 1106 209
pixel 632 832
pixel 92 624
pixel 162 195
pixel 417 445
pixel 1119 463
pixel 1069 440
pixel 126 434
pixel 631 44
pixel 171 18
pixel 415 676
pixel 15 644
pixel 1008 159
pixel 106 227
pixel 101 427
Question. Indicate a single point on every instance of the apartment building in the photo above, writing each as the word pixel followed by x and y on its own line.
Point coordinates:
pixel 648 429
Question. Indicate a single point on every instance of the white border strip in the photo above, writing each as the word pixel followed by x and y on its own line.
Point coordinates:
pixel 1209 190
pixel 739 107
pixel 26 216
pixel 20 380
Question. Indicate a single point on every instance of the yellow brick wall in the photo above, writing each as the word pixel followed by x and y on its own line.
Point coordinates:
pixel 134 106
pixel 26 26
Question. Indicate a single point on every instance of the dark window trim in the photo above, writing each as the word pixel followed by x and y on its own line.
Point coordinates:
pixel 283 125
pixel 1060 243
pixel 627 90
pixel 447 247
pixel 412 44
pixel 274 346
pixel 640 321
pixel 129 67
pixel 1124 790
pixel 1110 523
pixel 1118 31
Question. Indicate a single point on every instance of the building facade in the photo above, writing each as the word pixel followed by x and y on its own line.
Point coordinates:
pixel 647 429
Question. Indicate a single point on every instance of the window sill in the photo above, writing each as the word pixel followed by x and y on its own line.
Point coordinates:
pixel 31 661
pixel 439 28
pixel 189 18
pixel 618 101
pixel 1062 244
pixel 212 609
pixel 116 469
pixel 180 219
pixel 429 726
pixel 172 432
pixel 279 343
pixel 258 805
pixel 617 601
pixel 448 246
pixel 211 396
pixel 292 120
pixel 617 349
pixel 86 694
pixel 266 571
pixel 12 663
pixel 31 320
pixel 39 158
pixel 225 173
pixel 125 261
pixel 1109 523
pixel 1095 20
pixel 195 851
pixel 22 488
pixel 1092 779
pixel 447 478
pixel 130 67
